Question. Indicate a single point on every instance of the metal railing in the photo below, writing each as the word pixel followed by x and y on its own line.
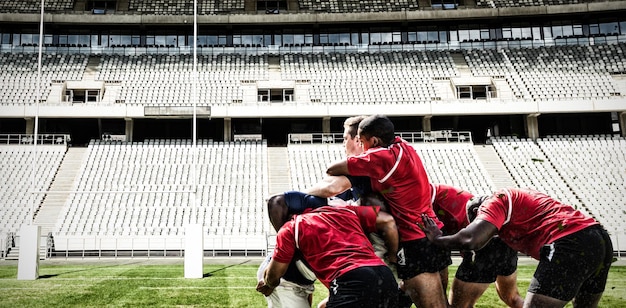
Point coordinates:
pixel 413 137
pixel 26 139
pixel 8 243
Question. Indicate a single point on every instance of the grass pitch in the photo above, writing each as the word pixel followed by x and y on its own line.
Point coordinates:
pixel 142 283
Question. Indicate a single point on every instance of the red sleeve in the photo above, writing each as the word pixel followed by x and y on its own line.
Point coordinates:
pixel 367 216
pixel 285 243
pixel 367 164
pixel 494 210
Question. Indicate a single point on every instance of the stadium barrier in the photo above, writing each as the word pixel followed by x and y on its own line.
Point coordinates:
pixel 413 137
pixel 51 139
pixel 156 246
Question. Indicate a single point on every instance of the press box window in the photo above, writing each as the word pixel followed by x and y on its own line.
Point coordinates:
pixel 275 95
pixel 475 92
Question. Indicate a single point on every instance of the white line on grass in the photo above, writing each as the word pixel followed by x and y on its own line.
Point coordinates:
pixel 203 288
pixel 135 278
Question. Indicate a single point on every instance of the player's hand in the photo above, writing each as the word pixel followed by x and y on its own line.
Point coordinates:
pixel 430 228
pixel 263 288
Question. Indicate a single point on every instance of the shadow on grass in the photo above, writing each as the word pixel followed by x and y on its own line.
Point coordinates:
pixel 209 274
pixel 84 270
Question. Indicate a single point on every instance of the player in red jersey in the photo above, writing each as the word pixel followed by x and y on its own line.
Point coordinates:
pixel 396 171
pixel 478 269
pixel 574 251
pixel 332 240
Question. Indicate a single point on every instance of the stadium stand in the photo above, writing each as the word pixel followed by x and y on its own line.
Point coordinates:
pixel 370 78
pixel 403 77
pixel 283 74
pixel 593 166
pixel 167 79
pixel 507 3
pixel 19 77
pixel 24 171
pixel 455 164
pixel 141 192
pixel 128 199
pixel 584 171
pixel 34 6
pixel 530 168
pixel 351 6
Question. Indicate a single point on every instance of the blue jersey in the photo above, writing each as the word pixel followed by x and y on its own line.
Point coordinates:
pixel 360 186
pixel 298 201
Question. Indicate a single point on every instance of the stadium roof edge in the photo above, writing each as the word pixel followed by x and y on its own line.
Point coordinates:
pixel 316 18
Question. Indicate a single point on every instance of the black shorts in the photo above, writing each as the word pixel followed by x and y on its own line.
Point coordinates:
pixel 421 256
pixel 577 263
pixel 368 286
pixel 484 265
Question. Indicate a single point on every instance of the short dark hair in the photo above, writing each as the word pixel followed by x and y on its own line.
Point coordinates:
pixel 472 206
pixel 352 124
pixel 380 126
pixel 277 211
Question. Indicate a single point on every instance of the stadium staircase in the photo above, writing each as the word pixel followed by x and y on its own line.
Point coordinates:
pixel 92 68
pixel 461 65
pixel 493 165
pixel 279 176
pixel 53 203
pixel 14 253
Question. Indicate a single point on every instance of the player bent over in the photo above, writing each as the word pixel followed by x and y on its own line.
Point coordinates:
pixel 496 262
pixel 574 251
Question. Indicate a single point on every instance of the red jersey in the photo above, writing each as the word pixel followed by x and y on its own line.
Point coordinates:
pixel 331 238
pixel 528 220
pixel 398 174
pixel 449 204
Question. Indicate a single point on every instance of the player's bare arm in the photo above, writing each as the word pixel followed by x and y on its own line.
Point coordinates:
pixel 338 168
pixel 386 226
pixel 275 270
pixel 474 236
pixel 330 186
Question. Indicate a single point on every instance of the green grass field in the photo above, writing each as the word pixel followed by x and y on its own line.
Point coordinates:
pixel 141 283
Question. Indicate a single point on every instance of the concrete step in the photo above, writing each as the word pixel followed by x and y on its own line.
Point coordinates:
pixel 500 176
pixel 14 253
pixel 63 182
pixel 278 169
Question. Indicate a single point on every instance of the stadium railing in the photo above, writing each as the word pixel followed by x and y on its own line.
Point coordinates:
pixel 58 139
pixel 414 137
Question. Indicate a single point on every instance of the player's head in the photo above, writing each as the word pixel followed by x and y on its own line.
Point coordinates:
pixel 351 143
pixel 277 211
pixel 376 130
pixel 282 206
pixel 472 206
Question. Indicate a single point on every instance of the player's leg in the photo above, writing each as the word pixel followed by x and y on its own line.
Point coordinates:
pixel 380 249
pixel 591 290
pixel 444 278
pixel 562 274
pixel 506 286
pixel 466 294
pixel 419 264
pixel 425 290
pixel 586 300
pixel 534 300
pixel 474 274
pixel 506 271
